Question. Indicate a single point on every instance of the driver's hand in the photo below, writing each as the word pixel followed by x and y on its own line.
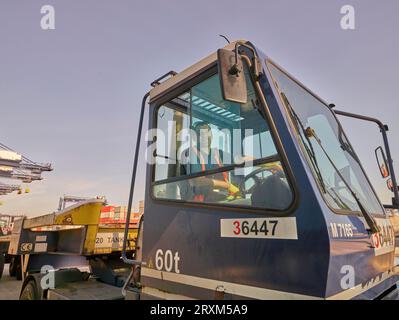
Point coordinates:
pixel 274 167
pixel 233 190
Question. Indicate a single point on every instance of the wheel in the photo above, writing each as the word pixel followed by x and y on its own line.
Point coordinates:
pixel 30 291
pixel 13 265
pixel 2 260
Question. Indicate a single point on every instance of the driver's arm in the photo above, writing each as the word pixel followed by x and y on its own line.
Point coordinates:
pixel 210 183
pixel 225 185
pixel 214 184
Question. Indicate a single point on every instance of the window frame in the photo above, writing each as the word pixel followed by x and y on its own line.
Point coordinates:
pixel 344 212
pixel 174 92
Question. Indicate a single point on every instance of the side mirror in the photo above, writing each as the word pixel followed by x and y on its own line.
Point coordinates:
pixel 382 162
pixel 390 185
pixel 232 78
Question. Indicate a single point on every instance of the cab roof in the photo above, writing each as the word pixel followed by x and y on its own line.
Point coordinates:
pixel 188 73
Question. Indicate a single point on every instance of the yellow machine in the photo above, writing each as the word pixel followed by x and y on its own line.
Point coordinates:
pixel 50 233
pixel 69 241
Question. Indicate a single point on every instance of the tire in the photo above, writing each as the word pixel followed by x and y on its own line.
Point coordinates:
pixel 13 266
pixel 2 260
pixel 30 291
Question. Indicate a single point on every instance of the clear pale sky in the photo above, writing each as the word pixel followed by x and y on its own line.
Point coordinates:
pixel 71 96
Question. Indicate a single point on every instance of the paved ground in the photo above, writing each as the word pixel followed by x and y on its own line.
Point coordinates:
pixel 9 287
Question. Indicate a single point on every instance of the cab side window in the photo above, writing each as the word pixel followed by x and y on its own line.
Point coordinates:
pixel 214 151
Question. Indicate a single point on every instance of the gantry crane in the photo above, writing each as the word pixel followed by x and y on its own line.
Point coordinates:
pixel 16 166
pixel 73 199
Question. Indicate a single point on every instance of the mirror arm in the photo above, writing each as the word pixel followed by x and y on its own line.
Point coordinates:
pixel 247 60
pixel 257 66
pixel 383 129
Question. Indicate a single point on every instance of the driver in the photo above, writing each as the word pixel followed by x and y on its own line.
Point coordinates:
pixel 202 158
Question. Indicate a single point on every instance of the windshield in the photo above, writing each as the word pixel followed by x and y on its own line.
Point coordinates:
pixel 309 112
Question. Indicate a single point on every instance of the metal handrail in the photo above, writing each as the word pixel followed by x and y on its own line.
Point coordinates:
pixel 129 206
pixel 384 129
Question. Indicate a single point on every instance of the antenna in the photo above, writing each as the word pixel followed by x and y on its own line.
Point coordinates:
pixel 225 38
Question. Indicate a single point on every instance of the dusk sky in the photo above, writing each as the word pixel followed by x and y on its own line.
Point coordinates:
pixel 71 96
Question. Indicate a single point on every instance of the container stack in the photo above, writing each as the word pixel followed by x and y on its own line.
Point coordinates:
pixel 118 214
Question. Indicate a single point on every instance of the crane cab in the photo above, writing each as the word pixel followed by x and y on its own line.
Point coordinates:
pixel 253 190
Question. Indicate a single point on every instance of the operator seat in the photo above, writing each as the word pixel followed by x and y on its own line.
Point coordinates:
pixel 272 193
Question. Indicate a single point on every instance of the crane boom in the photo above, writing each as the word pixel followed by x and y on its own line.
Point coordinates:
pixel 18 167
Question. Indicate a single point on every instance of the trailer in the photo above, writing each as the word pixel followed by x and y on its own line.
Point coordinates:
pixel 295 217
pixel 6 227
pixel 70 254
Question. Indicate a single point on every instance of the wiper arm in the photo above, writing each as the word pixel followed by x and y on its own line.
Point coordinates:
pixel 345 145
pixel 309 149
pixel 367 216
pixel 337 199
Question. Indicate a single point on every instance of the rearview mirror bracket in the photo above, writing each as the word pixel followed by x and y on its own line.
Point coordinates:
pixel 232 78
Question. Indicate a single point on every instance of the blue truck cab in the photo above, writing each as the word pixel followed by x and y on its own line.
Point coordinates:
pixel 253 191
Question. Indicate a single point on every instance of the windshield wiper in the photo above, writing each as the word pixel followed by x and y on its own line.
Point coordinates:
pixel 367 216
pixel 308 146
pixel 345 145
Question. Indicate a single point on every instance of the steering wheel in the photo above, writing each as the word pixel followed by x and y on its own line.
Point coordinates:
pixel 257 180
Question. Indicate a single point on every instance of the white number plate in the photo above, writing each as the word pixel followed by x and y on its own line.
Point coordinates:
pixel 109 240
pixel 383 241
pixel 267 228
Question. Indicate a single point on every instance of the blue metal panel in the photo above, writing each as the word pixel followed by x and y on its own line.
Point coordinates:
pixel 354 251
